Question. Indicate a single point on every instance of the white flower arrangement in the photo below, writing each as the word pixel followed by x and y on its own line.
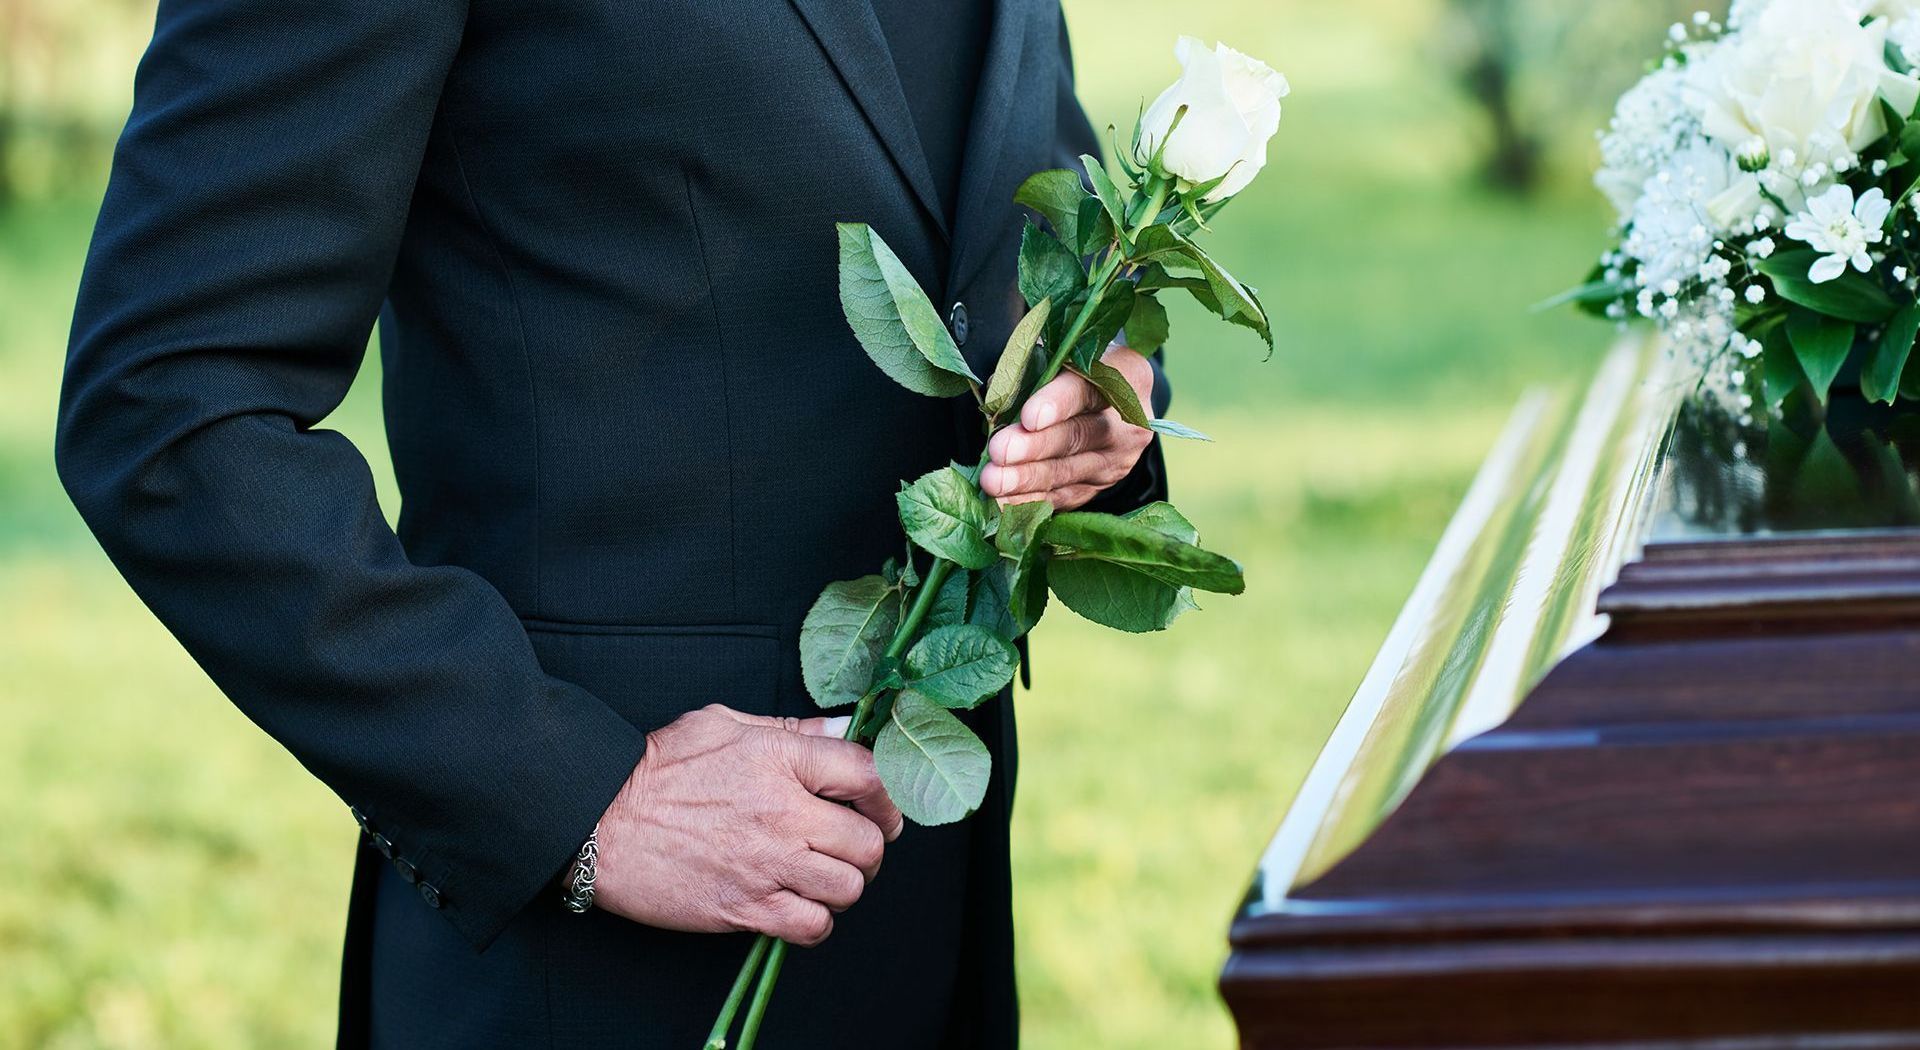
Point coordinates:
pixel 1764 176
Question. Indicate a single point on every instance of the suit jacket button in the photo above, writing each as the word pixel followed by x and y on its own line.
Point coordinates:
pixel 406 870
pixel 430 895
pixel 384 845
pixel 957 323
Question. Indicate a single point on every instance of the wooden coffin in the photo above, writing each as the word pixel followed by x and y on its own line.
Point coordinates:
pixel 1639 764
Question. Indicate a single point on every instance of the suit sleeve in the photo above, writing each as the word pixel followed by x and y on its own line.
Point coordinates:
pixel 1147 482
pixel 257 200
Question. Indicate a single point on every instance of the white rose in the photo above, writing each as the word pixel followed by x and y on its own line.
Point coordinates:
pixel 1232 109
pixel 1804 77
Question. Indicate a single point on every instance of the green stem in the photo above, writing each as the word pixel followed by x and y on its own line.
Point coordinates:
pixel 717 1037
pixel 762 994
pixel 1102 279
pixel 922 604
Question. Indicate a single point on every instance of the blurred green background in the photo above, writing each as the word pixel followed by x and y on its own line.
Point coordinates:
pixel 170 878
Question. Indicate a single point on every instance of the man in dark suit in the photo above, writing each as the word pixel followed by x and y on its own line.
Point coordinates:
pixel 634 436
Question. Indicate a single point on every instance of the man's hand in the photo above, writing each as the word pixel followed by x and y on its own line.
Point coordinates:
pixel 726 825
pixel 1069 445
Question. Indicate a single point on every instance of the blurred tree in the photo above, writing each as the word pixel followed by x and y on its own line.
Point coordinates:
pixel 63 87
pixel 1537 69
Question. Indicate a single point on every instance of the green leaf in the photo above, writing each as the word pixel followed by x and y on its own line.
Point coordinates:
pixel 1104 326
pixel 1118 391
pixel 1224 295
pixel 844 636
pixel 1142 547
pixel 1008 600
pixel 950 604
pixel 1010 374
pixel 945 514
pixel 893 319
pixel 1147 326
pixel 1096 227
pixel 1020 525
pixel 1048 269
pixel 1179 430
pixel 1909 139
pixel 1019 540
pixel 1780 373
pixel 1104 189
pixel 1880 376
pixel 960 666
pixel 1851 297
pixel 1117 597
pixel 933 767
pixel 1822 344
pixel 1057 195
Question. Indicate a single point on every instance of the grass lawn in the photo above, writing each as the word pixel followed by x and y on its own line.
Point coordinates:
pixel 172 879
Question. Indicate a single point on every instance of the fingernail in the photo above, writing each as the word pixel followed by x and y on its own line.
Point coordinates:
pixel 837 725
pixel 1043 417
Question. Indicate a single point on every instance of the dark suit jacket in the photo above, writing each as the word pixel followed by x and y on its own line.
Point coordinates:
pixel 633 433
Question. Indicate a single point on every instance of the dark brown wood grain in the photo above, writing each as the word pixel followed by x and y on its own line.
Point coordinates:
pixel 1701 830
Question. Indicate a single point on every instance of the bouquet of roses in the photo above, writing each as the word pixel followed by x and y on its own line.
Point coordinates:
pixel 1764 175
pixel 933 632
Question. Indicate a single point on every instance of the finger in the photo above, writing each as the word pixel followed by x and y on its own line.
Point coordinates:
pixel 843 771
pixel 1086 468
pixel 820 726
pixel 825 880
pixel 1066 396
pixel 1073 497
pixel 848 837
pixel 1017 444
pixel 1132 364
pixel 794 919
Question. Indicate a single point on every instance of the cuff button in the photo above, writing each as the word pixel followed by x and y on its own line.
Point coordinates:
pixel 430 895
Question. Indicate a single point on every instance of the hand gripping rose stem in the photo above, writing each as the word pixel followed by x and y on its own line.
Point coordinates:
pixel 768 951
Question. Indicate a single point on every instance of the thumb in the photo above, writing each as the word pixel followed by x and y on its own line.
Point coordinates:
pixel 821 726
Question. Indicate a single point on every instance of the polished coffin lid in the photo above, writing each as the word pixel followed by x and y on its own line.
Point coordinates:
pixel 1628 479
pixel 1639 759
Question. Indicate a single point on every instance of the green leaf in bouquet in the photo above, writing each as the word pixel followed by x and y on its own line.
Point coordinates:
pixel 945 514
pixel 1096 227
pixel 1880 375
pixel 1169 428
pixel 844 636
pixel 950 603
pixel 1109 318
pixel 933 767
pixel 1909 139
pixel 1057 195
pixel 1147 326
pixel 1020 525
pixel 1143 544
pixel 1118 391
pixel 1048 269
pixel 1010 374
pixel 1104 189
pixel 1850 297
pixel 1780 373
pixel 1592 296
pixel 1822 344
pixel 893 319
pixel 961 665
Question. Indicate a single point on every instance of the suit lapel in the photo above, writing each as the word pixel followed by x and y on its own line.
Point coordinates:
pixel 850 34
pixel 1013 23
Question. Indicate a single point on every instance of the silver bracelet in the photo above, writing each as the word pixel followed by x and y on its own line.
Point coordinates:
pixel 579 882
